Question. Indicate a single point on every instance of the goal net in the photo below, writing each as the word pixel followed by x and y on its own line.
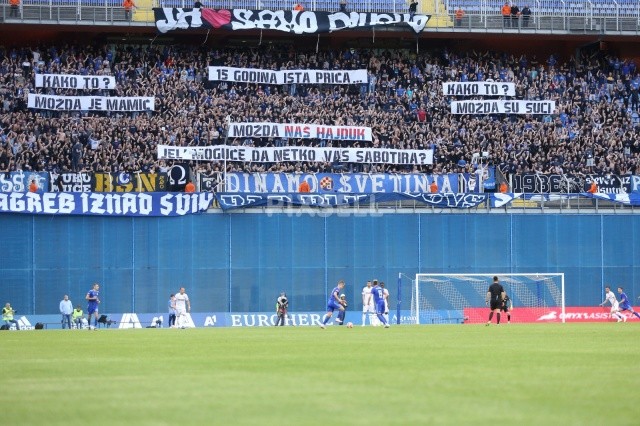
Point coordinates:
pixel 460 298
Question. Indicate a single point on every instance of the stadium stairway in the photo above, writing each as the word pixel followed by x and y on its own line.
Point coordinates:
pixel 438 12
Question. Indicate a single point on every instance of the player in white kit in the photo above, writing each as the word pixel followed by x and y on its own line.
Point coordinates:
pixel 182 307
pixel 610 297
pixel 367 305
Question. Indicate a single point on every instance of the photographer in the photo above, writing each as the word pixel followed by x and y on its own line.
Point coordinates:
pixel 282 305
pixel 341 314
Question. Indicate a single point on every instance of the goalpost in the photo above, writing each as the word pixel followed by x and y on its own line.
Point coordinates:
pixel 460 298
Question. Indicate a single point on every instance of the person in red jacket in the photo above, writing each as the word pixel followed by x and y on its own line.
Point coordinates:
pixel 33 186
pixel 15 7
pixel 506 14
pixel 128 5
pixel 304 187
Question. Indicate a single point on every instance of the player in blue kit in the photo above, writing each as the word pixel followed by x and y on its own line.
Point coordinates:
pixel 333 303
pixel 93 302
pixel 377 292
pixel 624 304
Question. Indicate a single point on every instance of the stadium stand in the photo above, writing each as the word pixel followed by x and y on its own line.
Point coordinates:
pixel 567 17
pixel 596 128
pixel 628 8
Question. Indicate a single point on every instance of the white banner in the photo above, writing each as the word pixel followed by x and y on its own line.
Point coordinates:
pixel 478 88
pixel 290 21
pixel 91 103
pixel 299 131
pixel 296 153
pixel 252 75
pixel 503 107
pixel 67 81
pixel 105 203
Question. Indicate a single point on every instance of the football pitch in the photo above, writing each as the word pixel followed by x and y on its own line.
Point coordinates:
pixel 556 374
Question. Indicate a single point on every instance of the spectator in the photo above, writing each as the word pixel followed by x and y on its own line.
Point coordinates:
pixel 197 5
pixel 506 15
pixel 33 186
pixel 459 15
pixel 421 114
pixel 304 187
pixel 594 131
pixel 635 97
pixel 343 6
pixel 526 14
pixel 76 156
pixel 413 7
pixel 515 15
pixel 128 6
pixel 15 8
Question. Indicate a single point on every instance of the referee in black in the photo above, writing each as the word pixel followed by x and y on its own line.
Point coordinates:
pixel 495 298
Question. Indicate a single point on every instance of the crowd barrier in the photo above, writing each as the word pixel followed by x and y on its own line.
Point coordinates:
pixel 586 17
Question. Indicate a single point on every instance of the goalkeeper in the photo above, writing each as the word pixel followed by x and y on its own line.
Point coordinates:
pixel 341 314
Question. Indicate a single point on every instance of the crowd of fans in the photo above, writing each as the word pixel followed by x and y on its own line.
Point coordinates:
pixel 595 129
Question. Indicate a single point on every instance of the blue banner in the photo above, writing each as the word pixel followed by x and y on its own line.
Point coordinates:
pixel 362 183
pixel 483 179
pixel 450 200
pixel 501 200
pixel 461 200
pixel 20 181
pixel 106 203
pixel 632 199
pixel 573 184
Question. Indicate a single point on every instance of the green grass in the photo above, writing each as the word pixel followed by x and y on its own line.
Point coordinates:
pixel 571 374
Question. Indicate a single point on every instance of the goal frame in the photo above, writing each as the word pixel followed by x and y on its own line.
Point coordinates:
pixel 416 291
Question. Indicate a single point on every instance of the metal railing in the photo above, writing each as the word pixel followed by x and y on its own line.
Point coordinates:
pixel 396 6
pixel 558 205
pixel 608 8
pixel 547 16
